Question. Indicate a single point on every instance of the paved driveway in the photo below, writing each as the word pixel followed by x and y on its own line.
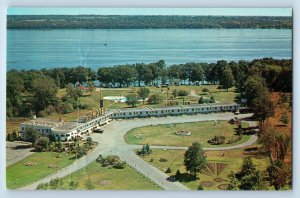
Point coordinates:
pixel 112 142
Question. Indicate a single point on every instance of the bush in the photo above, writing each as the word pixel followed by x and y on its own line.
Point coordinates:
pixel 178 175
pixel 183 93
pixel 155 99
pixel 111 161
pixel 10 137
pixel 205 90
pixel 89 141
pixel 234 139
pixel 163 159
pixel 168 170
pixel 212 99
pixel 200 187
pixel 41 144
pixel 175 93
pixel 217 140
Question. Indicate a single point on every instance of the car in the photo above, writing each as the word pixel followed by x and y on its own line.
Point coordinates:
pixel 237 112
pixel 98 130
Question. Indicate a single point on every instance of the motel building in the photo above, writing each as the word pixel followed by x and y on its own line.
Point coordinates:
pixel 66 131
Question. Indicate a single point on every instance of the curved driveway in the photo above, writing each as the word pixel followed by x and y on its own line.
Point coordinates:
pixel 112 142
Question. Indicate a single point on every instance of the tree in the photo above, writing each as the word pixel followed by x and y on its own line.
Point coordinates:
pixel 91 86
pixel 233 182
pixel 73 92
pixel 248 178
pixel 253 181
pixel 263 107
pixel 41 144
pixel 254 87
pixel 227 80
pixel 284 118
pixel 247 167
pixel 143 93
pixel 132 99
pixel 201 100
pixel 155 99
pixel 278 174
pixel 89 141
pixel 31 135
pixel 175 93
pixel 194 159
pixel 283 142
pixel 267 139
pixel 212 99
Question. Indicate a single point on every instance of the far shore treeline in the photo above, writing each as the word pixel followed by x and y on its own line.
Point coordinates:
pixel 35 91
pixel 145 22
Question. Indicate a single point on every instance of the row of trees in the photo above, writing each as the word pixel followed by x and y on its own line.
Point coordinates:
pixel 277 175
pixel 33 91
pixel 144 22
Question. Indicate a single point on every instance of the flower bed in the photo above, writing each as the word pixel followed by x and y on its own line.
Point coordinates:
pixel 183 133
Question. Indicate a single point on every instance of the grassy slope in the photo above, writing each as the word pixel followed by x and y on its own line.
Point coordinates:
pixel 232 158
pixel 121 179
pixel 200 131
pixel 18 175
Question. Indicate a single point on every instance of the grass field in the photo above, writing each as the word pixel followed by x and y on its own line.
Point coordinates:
pixel 200 131
pixel 231 161
pixel 93 99
pixel 104 178
pixel 18 175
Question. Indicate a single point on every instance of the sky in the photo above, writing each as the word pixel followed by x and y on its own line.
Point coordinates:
pixel 151 11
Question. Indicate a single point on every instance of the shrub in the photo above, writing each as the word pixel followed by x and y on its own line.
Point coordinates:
pixel 178 175
pixel 200 187
pixel 168 170
pixel 175 93
pixel 205 90
pixel 183 93
pixel 155 99
pixel 163 159
pixel 111 161
pixel 212 99
pixel 41 144
pixel 89 141
pixel 217 140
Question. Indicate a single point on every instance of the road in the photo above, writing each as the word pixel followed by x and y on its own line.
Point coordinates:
pixel 111 142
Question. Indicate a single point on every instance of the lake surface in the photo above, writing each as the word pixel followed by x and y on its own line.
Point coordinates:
pixel 36 49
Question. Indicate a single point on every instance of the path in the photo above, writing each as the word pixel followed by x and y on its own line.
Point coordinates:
pixel 112 142
pixel 17 151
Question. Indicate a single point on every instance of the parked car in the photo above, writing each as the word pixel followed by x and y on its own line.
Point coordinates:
pixel 98 131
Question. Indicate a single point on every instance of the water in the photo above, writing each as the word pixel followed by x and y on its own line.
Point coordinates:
pixel 36 49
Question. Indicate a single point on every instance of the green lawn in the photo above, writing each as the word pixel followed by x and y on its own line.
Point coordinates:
pixel 230 160
pixel 200 131
pixel 104 178
pixel 18 175
pixel 93 99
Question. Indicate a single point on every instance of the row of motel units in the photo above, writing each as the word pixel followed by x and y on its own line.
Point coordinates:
pixel 69 130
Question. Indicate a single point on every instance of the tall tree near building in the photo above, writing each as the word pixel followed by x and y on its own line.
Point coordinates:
pixel 227 80
pixel 194 159
pixel 143 93
pixel 132 99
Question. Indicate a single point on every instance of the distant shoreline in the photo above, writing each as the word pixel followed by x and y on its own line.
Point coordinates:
pixel 146 22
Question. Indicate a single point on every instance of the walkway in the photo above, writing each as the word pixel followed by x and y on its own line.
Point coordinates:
pixel 112 142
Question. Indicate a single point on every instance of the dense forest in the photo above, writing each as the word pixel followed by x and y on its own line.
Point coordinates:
pixel 144 22
pixel 35 91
